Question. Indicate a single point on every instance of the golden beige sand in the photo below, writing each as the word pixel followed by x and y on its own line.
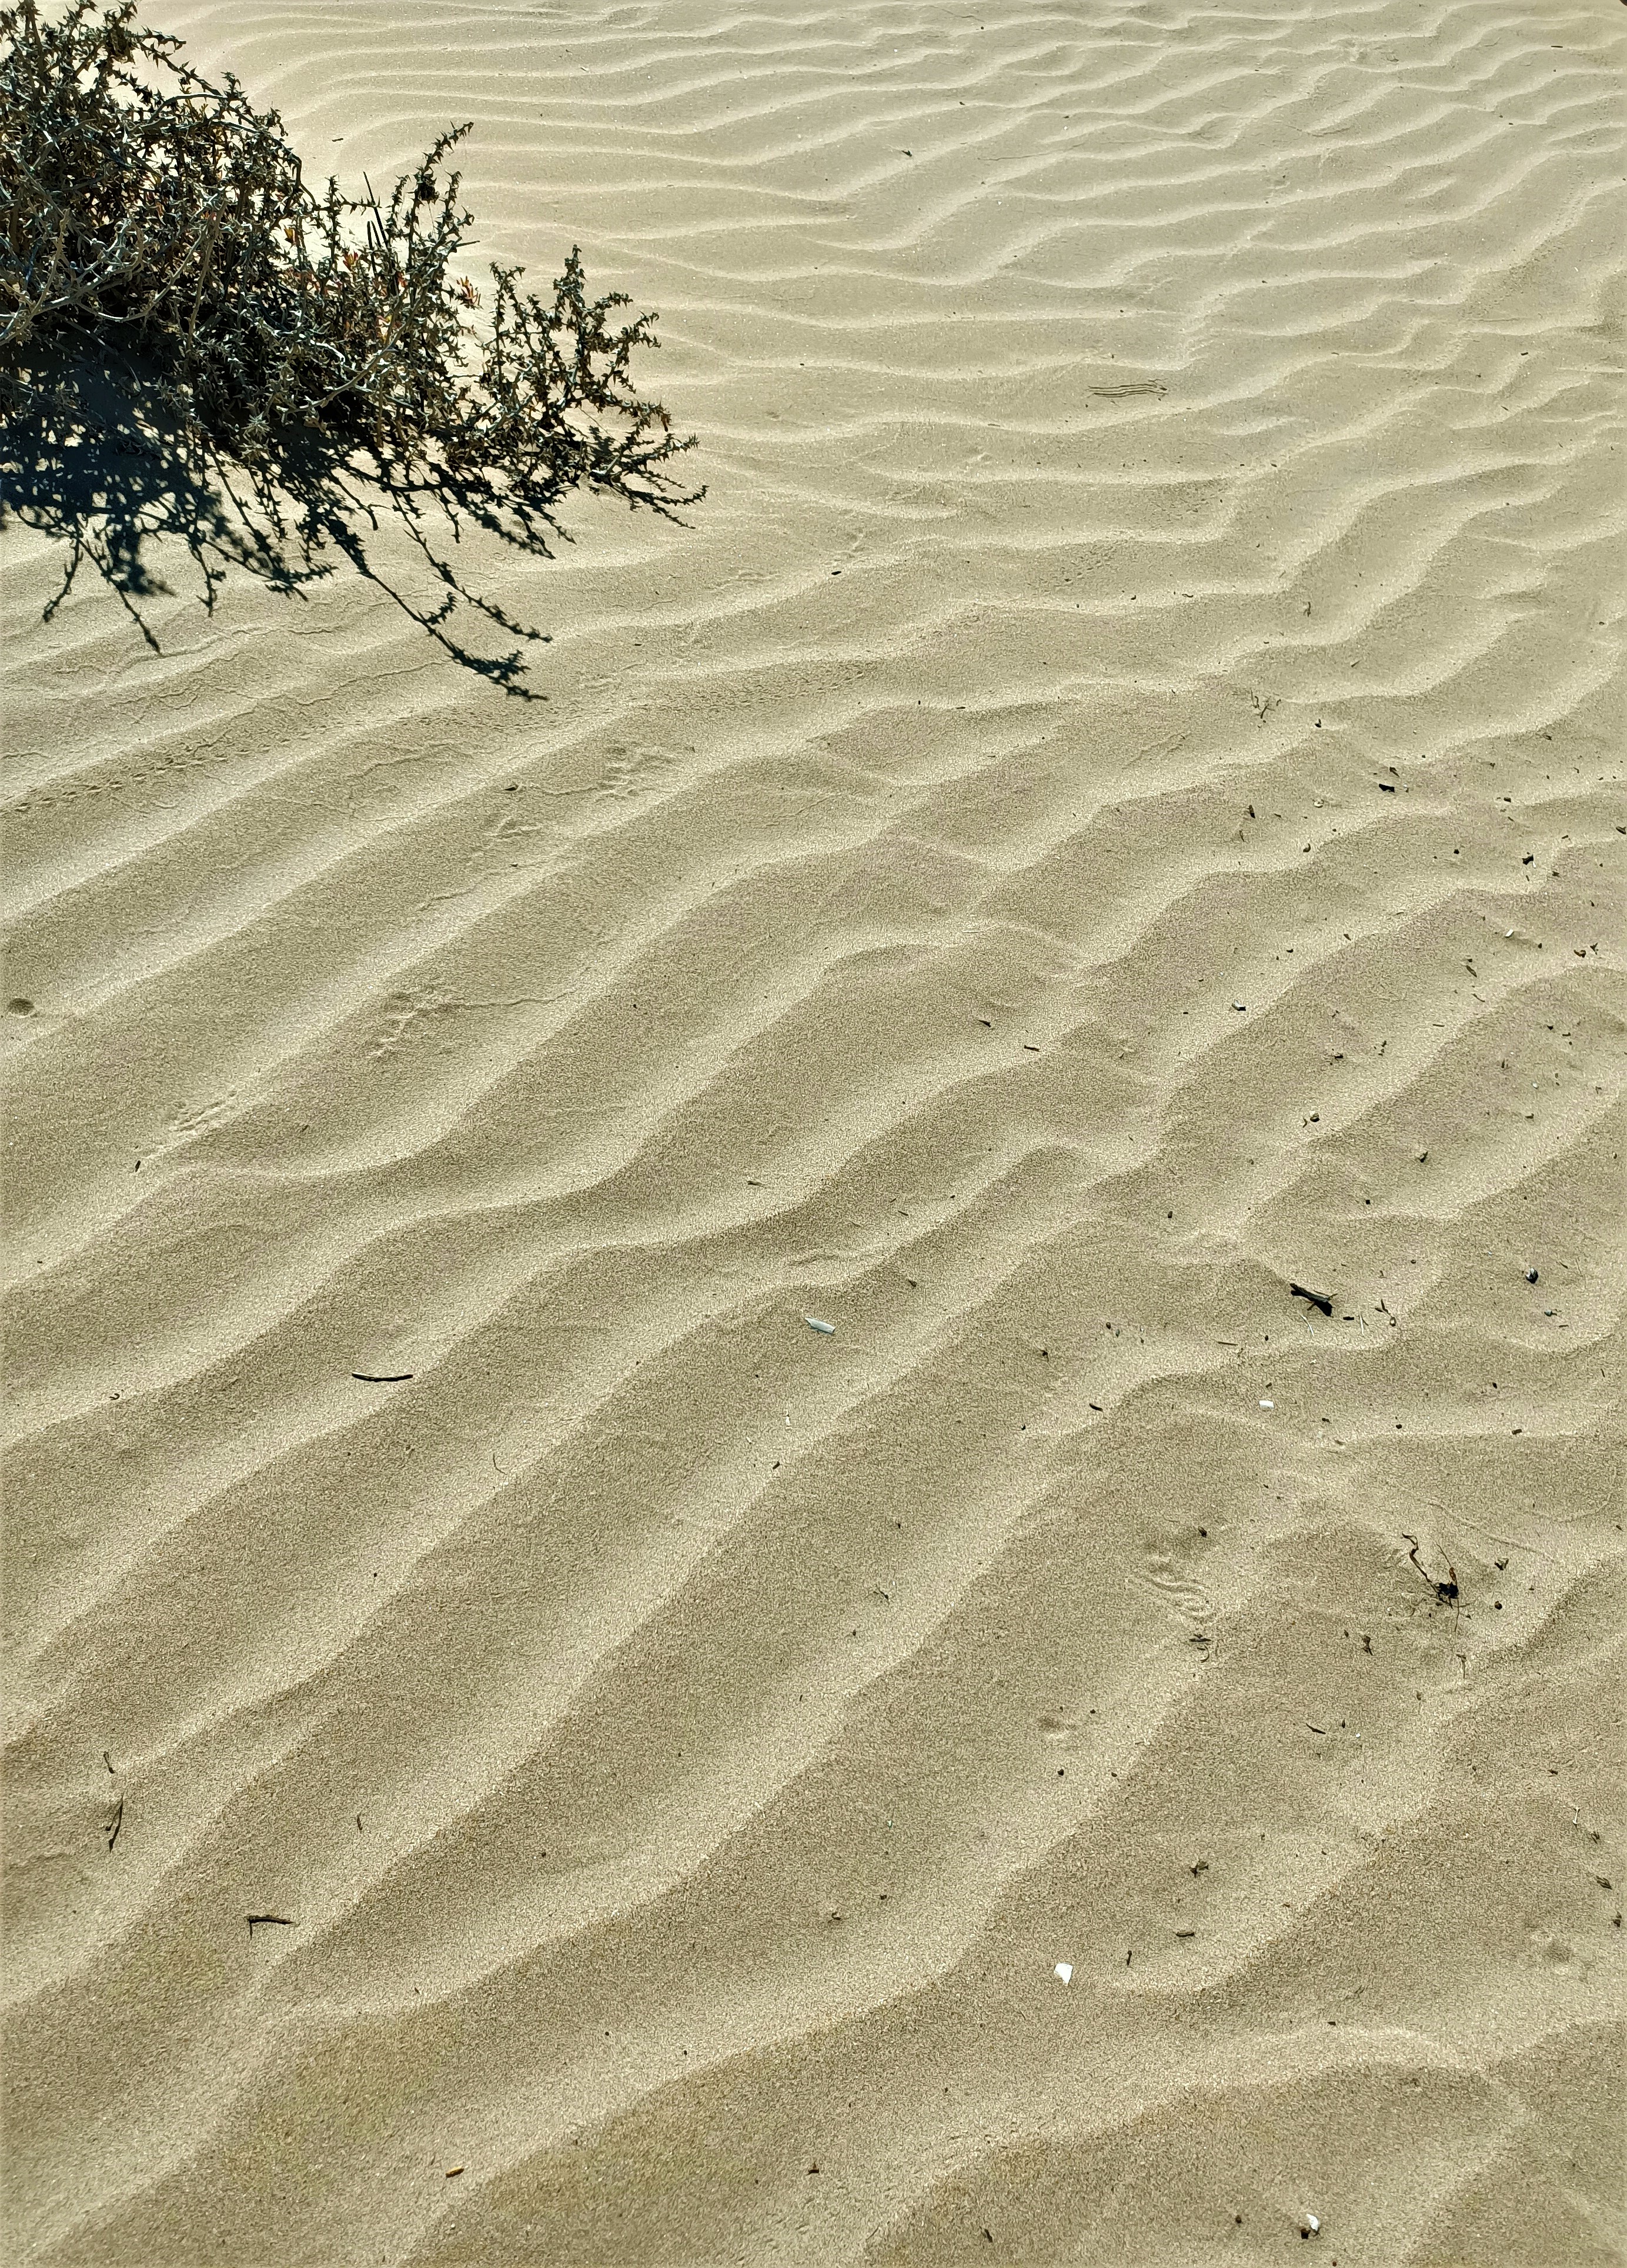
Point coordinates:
pixel 1110 810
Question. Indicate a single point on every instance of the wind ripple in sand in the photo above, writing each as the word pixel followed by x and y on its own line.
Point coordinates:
pixel 1107 814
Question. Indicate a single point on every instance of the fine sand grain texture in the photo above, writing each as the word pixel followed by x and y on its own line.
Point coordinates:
pixel 1109 811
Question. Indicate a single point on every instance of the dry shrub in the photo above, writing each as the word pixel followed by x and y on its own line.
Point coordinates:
pixel 194 342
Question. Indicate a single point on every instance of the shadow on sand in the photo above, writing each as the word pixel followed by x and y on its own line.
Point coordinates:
pixel 98 461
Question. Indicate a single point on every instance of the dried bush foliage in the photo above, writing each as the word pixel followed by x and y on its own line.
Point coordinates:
pixel 194 342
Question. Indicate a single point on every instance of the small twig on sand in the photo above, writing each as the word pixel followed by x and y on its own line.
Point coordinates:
pixel 1446 1591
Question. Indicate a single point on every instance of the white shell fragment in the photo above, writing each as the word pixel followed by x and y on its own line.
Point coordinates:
pixel 1064 1969
pixel 1308 2224
pixel 814 1324
pixel 1267 1405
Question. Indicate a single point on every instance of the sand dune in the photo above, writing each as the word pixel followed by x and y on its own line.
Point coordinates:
pixel 1109 810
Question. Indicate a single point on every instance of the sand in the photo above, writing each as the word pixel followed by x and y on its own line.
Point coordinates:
pixel 1109 811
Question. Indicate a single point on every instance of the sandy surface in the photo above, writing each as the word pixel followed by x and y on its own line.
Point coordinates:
pixel 1107 812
